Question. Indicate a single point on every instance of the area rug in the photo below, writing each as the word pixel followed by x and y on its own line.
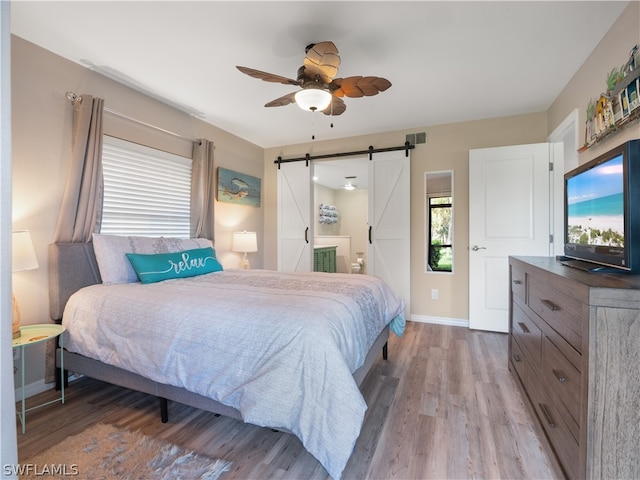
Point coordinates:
pixel 108 452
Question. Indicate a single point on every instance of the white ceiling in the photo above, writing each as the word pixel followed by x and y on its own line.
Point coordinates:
pixel 448 61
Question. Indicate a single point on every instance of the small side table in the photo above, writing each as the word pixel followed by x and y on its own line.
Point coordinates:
pixel 30 335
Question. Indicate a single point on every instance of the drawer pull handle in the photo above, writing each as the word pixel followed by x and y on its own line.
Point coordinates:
pixel 523 327
pixel 518 282
pixel 547 415
pixel 559 375
pixel 516 357
pixel 550 305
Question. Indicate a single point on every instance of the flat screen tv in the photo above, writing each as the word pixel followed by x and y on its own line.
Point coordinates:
pixel 602 211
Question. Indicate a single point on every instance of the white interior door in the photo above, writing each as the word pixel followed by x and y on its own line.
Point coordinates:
pixel 509 214
pixel 295 217
pixel 389 222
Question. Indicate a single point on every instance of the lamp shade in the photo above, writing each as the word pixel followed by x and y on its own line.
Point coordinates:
pixel 23 256
pixel 244 242
pixel 313 99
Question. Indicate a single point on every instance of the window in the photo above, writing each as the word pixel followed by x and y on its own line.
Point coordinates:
pixel 439 221
pixel 440 248
pixel 147 192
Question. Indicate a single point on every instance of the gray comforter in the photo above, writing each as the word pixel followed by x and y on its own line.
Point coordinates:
pixel 280 348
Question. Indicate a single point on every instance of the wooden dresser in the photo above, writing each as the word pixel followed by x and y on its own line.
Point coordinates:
pixel 574 349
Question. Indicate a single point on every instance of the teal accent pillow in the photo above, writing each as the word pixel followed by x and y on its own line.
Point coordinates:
pixel 156 267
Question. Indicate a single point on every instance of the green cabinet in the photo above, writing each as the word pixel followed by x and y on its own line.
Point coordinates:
pixel 324 259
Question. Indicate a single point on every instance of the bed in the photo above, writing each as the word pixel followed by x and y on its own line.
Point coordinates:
pixel 280 350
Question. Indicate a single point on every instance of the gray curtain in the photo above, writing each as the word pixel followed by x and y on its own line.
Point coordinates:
pixel 202 190
pixel 81 208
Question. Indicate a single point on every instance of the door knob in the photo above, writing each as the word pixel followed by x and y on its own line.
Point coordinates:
pixel 475 248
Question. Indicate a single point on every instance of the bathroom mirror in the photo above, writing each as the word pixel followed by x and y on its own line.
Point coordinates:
pixel 438 187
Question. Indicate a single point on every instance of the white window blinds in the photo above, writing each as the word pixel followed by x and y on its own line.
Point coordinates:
pixel 146 191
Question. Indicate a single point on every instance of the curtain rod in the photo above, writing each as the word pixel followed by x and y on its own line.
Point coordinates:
pixel 72 97
pixel 370 151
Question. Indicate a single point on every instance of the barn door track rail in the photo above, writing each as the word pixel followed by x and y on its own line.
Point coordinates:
pixel 370 151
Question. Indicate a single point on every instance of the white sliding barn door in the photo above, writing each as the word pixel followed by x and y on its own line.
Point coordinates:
pixel 388 252
pixel 295 217
pixel 509 214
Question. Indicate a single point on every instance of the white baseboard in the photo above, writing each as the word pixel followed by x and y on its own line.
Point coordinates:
pixel 454 322
pixel 35 388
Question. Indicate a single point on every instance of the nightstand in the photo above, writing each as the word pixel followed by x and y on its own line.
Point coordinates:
pixel 31 335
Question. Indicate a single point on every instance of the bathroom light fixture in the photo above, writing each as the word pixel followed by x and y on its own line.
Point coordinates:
pixel 349 185
pixel 312 99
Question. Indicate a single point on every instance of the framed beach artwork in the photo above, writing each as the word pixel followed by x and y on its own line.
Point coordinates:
pixel 238 188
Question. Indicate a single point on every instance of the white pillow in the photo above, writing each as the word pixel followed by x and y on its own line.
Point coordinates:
pixel 113 264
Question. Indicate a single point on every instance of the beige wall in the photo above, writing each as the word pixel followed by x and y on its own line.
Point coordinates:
pixel 353 219
pixel 41 128
pixel 447 149
pixel 590 80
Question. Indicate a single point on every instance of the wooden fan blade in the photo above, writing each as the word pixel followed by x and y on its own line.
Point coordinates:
pixel 336 107
pixel 355 87
pixel 282 101
pixel 268 77
pixel 323 60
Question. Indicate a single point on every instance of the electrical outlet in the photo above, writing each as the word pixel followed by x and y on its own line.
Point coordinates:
pixel 16 354
pixel 435 294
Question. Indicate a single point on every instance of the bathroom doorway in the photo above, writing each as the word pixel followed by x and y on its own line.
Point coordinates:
pixel 340 209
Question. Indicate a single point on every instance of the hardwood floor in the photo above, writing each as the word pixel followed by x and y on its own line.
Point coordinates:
pixel 442 406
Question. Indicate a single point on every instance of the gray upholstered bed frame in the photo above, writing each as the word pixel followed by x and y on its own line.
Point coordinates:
pixel 73 266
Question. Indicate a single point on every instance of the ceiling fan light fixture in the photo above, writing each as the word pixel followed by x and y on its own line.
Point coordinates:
pixel 313 99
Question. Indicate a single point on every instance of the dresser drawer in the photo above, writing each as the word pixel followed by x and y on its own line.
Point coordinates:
pixel 565 381
pixel 562 312
pixel 518 285
pixel 517 358
pixel 560 437
pixel 528 334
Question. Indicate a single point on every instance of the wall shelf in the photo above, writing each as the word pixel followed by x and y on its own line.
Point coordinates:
pixel 619 107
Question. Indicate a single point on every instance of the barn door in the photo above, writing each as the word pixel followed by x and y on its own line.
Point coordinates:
pixel 295 217
pixel 388 252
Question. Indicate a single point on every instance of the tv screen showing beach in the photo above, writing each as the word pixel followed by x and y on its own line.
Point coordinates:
pixel 595 205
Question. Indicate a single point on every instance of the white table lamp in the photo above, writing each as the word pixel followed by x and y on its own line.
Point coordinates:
pixel 23 257
pixel 244 242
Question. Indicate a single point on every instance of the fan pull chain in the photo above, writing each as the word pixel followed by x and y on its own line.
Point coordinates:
pixel 313 124
pixel 331 109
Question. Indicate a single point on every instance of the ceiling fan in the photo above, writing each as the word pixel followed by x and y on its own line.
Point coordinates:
pixel 321 91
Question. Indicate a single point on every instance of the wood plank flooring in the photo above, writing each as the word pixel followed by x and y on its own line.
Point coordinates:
pixel 442 406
